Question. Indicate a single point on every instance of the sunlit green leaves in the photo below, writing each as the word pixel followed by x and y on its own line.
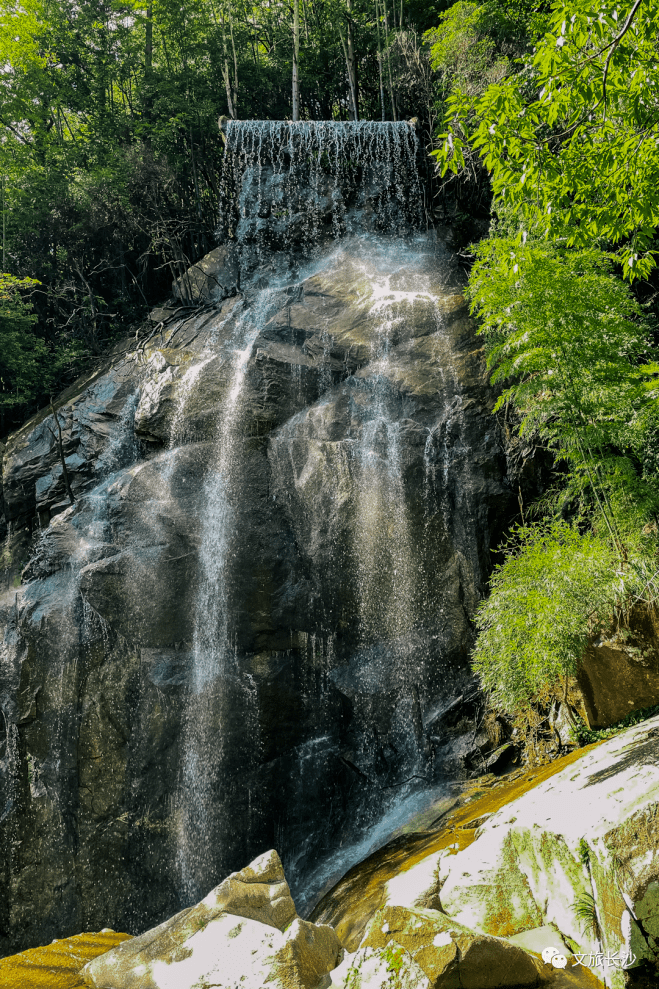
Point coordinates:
pixel 544 602
pixel 22 353
pixel 572 139
pixel 565 338
pixel 568 344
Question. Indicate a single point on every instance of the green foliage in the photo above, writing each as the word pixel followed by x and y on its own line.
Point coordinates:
pixel 562 123
pixel 567 339
pixel 394 955
pixel 544 602
pixel 474 43
pixel 569 139
pixel 584 853
pixel 22 354
pixel 28 368
pixel 585 911
pixel 110 155
pixel 462 52
pixel 570 345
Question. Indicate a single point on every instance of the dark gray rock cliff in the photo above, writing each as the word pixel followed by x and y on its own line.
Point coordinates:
pixel 245 630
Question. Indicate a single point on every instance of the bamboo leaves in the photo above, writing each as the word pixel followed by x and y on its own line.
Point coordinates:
pixel 543 605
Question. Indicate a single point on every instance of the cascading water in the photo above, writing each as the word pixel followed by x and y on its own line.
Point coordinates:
pixel 297 185
pixel 202 805
pixel 384 561
pixel 350 474
pixel 292 182
pixel 245 632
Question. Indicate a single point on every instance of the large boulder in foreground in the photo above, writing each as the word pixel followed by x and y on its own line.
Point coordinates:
pixel 231 952
pixel 259 891
pixel 586 837
pixel 235 934
pixel 447 954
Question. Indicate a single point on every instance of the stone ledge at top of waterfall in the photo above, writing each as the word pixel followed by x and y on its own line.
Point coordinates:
pixel 228 126
pixel 291 186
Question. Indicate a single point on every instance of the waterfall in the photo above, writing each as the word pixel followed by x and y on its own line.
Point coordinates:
pixel 202 803
pixel 384 555
pixel 357 474
pixel 296 185
pixel 292 187
pixel 246 631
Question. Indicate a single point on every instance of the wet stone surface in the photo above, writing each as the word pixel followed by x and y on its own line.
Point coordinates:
pixel 243 633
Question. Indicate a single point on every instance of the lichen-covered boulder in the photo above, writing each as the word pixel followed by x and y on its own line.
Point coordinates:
pixel 269 944
pixel 418 886
pixel 259 891
pixel 391 967
pixel 450 955
pixel 229 951
pixel 588 835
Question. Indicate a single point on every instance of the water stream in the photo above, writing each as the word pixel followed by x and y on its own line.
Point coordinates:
pixel 294 185
pixel 245 631
pixel 201 804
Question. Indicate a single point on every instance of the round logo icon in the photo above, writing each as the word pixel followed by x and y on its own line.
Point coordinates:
pixel 548 954
pixel 559 961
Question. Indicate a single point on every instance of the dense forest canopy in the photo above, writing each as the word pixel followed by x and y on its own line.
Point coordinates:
pixel 540 126
pixel 110 155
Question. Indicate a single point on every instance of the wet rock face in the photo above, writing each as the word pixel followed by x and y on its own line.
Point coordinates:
pixel 243 633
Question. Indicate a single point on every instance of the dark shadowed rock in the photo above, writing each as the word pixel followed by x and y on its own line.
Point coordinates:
pixel 210 280
pixel 365 482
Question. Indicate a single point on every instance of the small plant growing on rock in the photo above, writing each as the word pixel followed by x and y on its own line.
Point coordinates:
pixel 584 853
pixel 393 956
pixel 585 910
pixel 585 735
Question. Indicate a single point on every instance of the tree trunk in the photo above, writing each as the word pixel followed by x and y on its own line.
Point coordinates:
pixel 235 66
pixel 352 64
pixel 4 257
pixel 148 43
pixel 377 24
pixel 148 61
pixel 60 445
pixel 391 85
pixel 296 56
pixel 353 95
pixel 225 70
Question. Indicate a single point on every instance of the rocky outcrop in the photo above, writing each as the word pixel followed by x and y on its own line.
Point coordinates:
pixel 446 954
pixel 58 963
pixel 572 865
pixel 400 949
pixel 365 482
pixel 204 943
pixel 232 952
pixel 620 671
pixel 214 278
pixel 586 837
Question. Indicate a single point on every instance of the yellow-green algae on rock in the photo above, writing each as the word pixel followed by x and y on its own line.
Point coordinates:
pixel 56 965
pixel 349 906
